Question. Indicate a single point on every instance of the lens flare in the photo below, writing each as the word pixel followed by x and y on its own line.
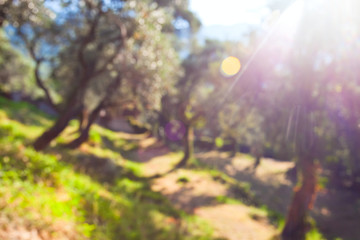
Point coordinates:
pixel 230 66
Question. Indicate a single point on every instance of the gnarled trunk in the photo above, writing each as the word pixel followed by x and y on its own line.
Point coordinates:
pixel 84 135
pixel 88 119
pixel 44 140
pixel 304 196
pixel 76 98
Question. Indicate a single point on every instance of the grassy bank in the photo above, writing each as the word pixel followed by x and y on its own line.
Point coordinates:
pixel 90 193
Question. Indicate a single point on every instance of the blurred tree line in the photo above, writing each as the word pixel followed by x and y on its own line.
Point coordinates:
pixel 299 103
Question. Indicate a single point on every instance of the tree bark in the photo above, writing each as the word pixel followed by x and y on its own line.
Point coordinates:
pixel 235 148
pixel 44 140
pixel 90 119
pixel 83 119
pixel 303 199
pixel 188 147
pixel 84 135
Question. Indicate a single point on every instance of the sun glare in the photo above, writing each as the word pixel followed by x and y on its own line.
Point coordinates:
pixel 230 66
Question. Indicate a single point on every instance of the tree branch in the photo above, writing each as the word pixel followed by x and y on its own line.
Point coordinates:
pixel 41 85
pixel 123 36
pixel 84 43
pixel 30 45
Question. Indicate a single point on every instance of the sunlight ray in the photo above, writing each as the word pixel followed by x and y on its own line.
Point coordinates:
pixel 288 20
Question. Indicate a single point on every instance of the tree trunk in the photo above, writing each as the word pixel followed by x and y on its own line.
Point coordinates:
pixel 83 119
pixel 76 98
pixel 235 148
pixel 354 143
pixel 87 119
pixel 296 226
pixel 188 146
pixel 257 161
pixel 44 140
pixel 256 151
pixel 84 135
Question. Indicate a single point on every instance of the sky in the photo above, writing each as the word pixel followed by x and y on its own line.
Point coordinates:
pixel 229 12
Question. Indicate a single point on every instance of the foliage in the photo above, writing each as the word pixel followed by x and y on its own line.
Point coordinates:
pixel 15 69
pixel 18 12
pixel 242 123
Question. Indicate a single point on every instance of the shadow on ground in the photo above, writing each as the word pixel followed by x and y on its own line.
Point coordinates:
pixel 336 211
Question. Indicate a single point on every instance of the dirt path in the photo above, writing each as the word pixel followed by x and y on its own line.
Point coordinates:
pixel 336 212
pixel 268 182
pixel 198 195
pixel 17 228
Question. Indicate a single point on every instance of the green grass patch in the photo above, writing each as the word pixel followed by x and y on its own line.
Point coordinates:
pixel 183 179
pixel 313 233
pixel 227 200
pixel 275 218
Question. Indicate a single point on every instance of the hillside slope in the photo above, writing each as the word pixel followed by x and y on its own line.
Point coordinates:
pixel 90 193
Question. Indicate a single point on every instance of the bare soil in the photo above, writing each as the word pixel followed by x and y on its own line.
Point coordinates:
pixel 336 212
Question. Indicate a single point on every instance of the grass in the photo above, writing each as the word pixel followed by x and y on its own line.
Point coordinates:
pixel 227 200
pixel 59 191
pixel 313 233
pixel 183 179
